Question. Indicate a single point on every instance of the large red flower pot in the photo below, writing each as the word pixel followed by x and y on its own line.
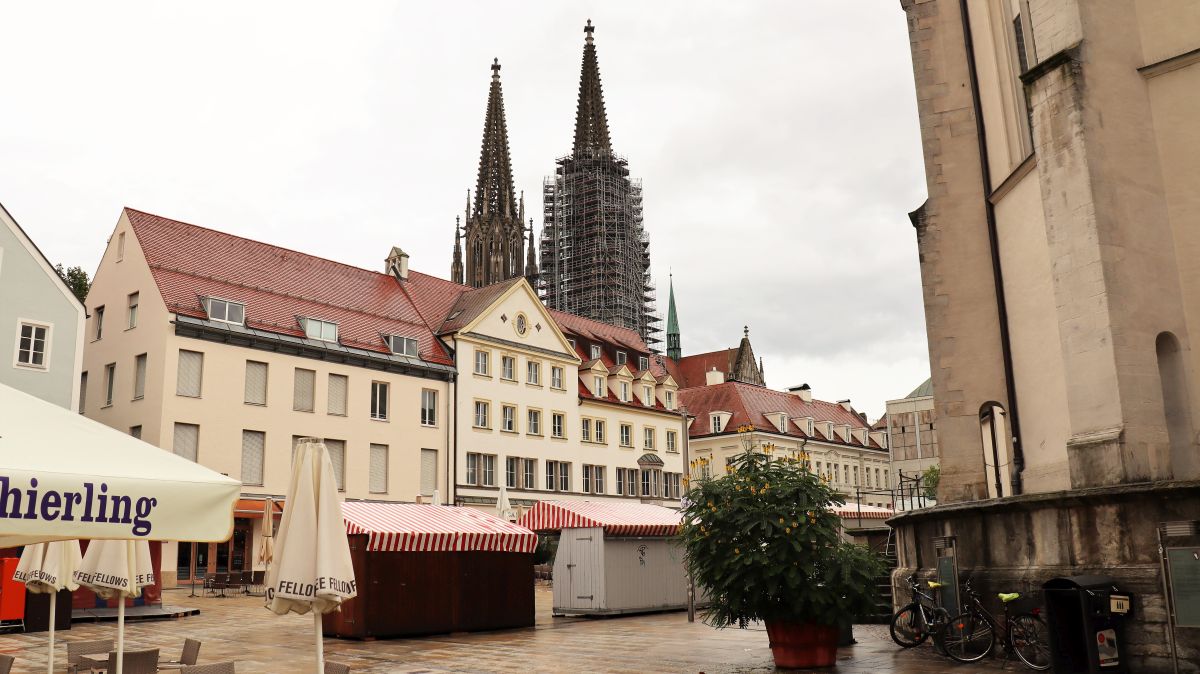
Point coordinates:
pixel 802 645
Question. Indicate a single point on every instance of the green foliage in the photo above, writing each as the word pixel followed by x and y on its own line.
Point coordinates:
pixel 764 542
pixel 76 279
pixel 929 481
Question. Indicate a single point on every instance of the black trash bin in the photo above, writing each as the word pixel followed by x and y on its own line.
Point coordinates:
pixel 1084 615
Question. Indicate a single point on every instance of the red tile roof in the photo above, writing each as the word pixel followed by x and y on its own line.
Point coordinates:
pixel 278 286
pixel 690 370
pixel 473 302
pixel 749 404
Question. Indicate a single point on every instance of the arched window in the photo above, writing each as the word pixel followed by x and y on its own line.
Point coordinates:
pixel 997 454
pixel 1185 464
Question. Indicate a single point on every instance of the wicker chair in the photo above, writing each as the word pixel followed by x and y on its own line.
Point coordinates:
pixel 135 662
pixel 214 668
pixel 190 655
pixel 336 668
pixel 75 649
pixel 6 663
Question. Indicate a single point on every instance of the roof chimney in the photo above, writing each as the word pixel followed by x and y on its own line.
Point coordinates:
pixel 397 264
pixel 714 376
pixel 846 405
pixel 802 392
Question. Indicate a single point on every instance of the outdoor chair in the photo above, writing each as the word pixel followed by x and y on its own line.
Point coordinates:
pixel 190 655
pixel 214 668
pixel 220 581
pixel 336 668
pixel 244 581
pixel 77 649
pixel 135 662
pixel 6 663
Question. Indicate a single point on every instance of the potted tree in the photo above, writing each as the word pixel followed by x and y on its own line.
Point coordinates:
pixel 763 541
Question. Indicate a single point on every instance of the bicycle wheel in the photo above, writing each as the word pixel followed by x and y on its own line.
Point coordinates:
pixel 938 619
pixel 969 637
pixel 908 629
pixel 1029 638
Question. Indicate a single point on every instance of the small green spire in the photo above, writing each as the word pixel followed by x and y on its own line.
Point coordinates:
pixel 674 352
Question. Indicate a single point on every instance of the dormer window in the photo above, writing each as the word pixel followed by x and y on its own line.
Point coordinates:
pixel 648 396
pixel 624 391
pixel 402 346
pixel 783 422
pixel 621 358
pixel 643 363
pixel 599 387
pixel 670 399
pixel 716 423
pixel 315 328
pixel 595 351
pixel 226 311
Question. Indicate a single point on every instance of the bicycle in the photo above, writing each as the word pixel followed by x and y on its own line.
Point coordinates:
pixel 920 618
pixel 972 634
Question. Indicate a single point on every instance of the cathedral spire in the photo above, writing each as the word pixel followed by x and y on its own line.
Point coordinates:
pixel 494 188
pixel 591 121
pixel 674 352
pixel 531 269
pixel 456 267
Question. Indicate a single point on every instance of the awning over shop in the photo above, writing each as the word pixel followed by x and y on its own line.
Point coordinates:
pixel 617 519
pixel 411 527
pixel 851 511
pixel 252 508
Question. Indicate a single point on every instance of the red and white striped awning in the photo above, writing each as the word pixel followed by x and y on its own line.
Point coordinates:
pixel 851 511
pixel 618 519
pixel 412 527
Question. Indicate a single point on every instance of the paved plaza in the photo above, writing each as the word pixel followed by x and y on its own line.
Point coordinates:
pixel 240 629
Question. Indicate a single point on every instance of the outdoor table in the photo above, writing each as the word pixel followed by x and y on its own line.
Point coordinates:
pixel 91 663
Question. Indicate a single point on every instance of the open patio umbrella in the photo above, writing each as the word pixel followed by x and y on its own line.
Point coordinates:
pixel 313 570
pixel 49 567
pixel 64 476
pixel 117 570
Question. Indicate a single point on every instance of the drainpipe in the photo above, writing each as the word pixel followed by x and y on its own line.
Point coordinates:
pixel 994 248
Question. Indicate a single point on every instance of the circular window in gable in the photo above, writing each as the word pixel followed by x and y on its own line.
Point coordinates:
pixel 521 324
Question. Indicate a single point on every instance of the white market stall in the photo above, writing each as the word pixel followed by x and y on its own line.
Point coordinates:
pixel 613 557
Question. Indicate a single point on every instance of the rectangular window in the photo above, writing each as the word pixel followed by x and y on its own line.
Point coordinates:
pixel 856 476
pixel 304 386
pixel 599 431
pixel 99 313
pixel 585 430
pixel 671 441
pixel 110 375
pixel 131 312
pixel 120 246
pixel 670 398
pixel 624 391
pixel 648 396
pixel 631 481
pixel 338 399
pixel 235 312
pixel 586 486
pixel 551 480
pixel 643 363
pixel 489 470
pixel 481 362
pixel 139 377
pixel 533 425
pixel 428 471
pixel 556 377
pixel 315 328
pixel 428 407
pixel 556 424
pixel 646 481
pixel 564 476
pixel 837 473
pixel 403 346
pixel 598 479
pixel 648 434
pixel 254 445
pixel 508 418
pixel 887 483
pixel 187 441
pixel 379 400
pixel 716 424
pixel 620 482
pixel 191 374
pixel 511 464
pixel 598 387
pixel 533 372
pixel 337 454
pixel 530 466
pixel 82 391
pixel 508 366
pixel 379 469
pixel 256 383
pixel 621 358
pixel 481 414
pixel 626 435
pixel 136 431
pixel 595 351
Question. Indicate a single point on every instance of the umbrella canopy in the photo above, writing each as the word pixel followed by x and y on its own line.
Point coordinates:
pixel 49 567
pixel 65 476
pixel 117 570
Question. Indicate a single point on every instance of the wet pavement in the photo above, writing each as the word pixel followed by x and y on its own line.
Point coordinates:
pixel 240 629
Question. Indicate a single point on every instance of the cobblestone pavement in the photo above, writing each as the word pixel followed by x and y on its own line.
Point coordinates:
pixel 241 629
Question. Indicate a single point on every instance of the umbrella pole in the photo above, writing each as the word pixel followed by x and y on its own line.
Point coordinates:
pixel 50 656
pixel 320 643
pixel 120 634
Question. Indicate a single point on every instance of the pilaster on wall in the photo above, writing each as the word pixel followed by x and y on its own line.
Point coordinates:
pixel 961 312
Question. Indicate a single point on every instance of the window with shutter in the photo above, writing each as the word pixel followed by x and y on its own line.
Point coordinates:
pixel 187 441
pixel 191 373
pixel 428 471
pixel 302 395
pixel 337 454
pixel 256 383
pixel 253 448
pixel 379 469
pixel 339 392
pixel 139 377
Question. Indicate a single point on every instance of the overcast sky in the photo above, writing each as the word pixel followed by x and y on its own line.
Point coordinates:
pixel 778 143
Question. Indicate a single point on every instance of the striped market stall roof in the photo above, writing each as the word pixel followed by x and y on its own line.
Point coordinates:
pixel 618 519
pixel 851 511
pixel 411 527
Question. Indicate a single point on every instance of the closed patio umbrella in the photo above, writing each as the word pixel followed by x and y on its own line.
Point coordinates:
pixel 49 567
pixel 313 570
pixel 267 551
pixel 117 570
